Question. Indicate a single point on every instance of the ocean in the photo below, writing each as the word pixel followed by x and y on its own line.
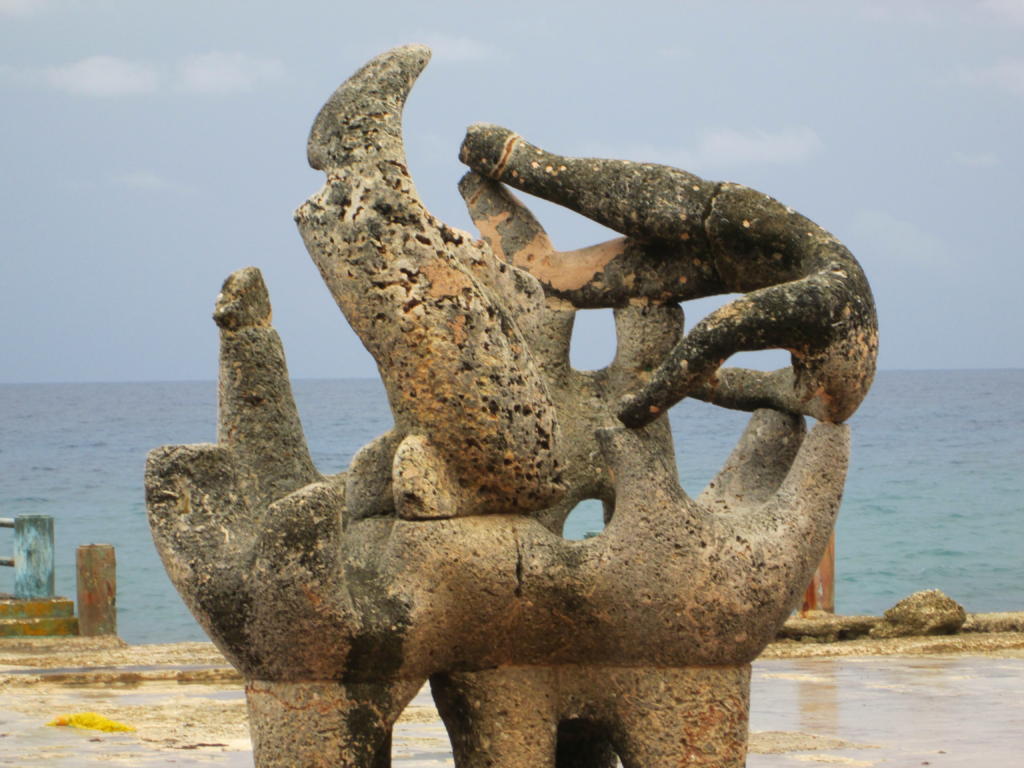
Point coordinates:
pixel 934 497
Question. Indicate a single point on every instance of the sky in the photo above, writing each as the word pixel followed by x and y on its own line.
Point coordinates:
pixel 148 149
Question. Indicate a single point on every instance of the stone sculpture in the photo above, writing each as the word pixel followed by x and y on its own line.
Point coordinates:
pixel 438 556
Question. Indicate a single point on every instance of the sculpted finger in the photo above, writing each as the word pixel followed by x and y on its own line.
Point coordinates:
pixel 257 417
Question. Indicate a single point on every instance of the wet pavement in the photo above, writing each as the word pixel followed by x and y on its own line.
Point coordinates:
pixel 944 711
pixel 950 712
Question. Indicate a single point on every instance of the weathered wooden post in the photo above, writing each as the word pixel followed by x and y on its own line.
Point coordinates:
pixel 821 592
pixel 97 590
pixel 33 556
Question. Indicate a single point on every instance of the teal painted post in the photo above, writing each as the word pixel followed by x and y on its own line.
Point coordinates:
pixel 33 556
pixel 7 522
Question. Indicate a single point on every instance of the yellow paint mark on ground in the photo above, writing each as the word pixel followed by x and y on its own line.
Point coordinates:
pixel 90 721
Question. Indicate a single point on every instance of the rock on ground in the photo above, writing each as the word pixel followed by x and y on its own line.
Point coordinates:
pixel 930 612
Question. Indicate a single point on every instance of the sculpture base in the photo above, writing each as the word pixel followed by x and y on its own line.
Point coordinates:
pixel 325 724
pixel 567 716
pixel 573 716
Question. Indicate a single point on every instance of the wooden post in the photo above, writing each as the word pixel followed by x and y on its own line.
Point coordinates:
pixel 821 592
pixel 33 556
pixel 97 590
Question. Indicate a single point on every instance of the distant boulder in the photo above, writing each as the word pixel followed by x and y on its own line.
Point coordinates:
pixel 930 612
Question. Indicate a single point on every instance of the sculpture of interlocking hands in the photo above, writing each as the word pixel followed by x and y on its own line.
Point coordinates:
pixel 438 554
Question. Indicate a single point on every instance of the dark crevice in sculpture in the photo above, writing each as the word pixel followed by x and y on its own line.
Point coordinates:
pixel 582 743
pixel 437 555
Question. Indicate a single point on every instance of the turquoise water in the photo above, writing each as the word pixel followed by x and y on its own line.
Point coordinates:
pixel 933 498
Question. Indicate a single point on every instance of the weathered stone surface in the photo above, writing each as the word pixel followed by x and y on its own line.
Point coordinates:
pixel 929 612
pixel 325 724
pixel 418 294
pixel 829 628
pixel 1008 621
pixel 585 401
pixel 651 716
pixel 822 627
pixel 687 238
pixel 438 554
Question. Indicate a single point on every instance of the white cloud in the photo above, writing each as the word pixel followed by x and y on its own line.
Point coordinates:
pixel 1006 75
pixel 941 11
pixel 20 7
pixel 216 72
pixel 975 159
pixel 448 48
pixel 224 72
pixel 141 180
pixel 896 10
pixel 730 147
pixel 1011 11
pixel 94 76
pixel 724 148
pixel 102 76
